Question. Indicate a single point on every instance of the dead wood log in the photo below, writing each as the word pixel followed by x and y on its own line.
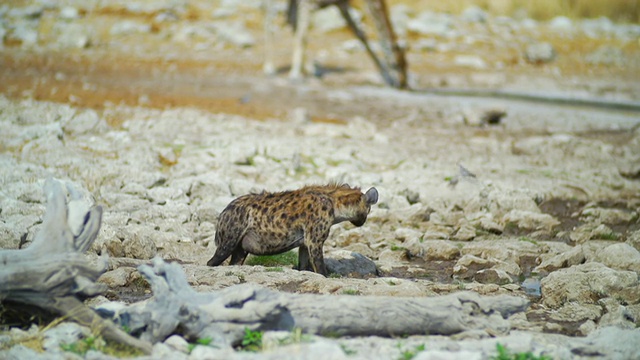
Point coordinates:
pixel 53 274
pixel 223 315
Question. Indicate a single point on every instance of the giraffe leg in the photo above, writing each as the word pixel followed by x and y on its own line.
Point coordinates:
pixel 269 6
pixel 300 39
pixel 394 54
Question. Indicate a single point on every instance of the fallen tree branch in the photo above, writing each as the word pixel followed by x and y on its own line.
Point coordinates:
pixel 222 316
pixel 53 274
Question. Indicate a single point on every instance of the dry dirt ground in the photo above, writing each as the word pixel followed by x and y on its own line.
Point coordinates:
pixel 187 101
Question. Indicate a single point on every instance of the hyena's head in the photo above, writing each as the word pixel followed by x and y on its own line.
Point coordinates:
pixel 353 205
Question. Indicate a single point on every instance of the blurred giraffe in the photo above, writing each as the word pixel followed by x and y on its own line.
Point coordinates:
pixel 392 68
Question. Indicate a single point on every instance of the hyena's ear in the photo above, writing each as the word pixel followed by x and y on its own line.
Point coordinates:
pixel 371 196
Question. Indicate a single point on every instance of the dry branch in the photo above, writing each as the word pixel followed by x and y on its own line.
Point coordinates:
pixel 223 315
pixel 53 274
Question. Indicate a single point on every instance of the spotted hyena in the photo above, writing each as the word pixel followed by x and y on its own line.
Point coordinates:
pixel 273 223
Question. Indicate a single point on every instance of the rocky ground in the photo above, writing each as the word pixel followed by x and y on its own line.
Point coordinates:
pixel 159 110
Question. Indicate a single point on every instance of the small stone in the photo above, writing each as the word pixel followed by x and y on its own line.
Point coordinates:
pixel 129 27
pixel 485 116
pixel 116 278
pixel 470 61
pixel 465 233
pixel 431 23
pixel 234 32
pixel 432 250
pixel 528 220
pixel 561 23
pixel 139 243
pixel 565 259
pixel 620 256
pixel 474 14
pixel 492 276
pixel 69 13
pixel 539 53
pixel 65 333
pixel 607 216
pixel 300 116
pixel 347 263
pixel 178 343
pixel 468 265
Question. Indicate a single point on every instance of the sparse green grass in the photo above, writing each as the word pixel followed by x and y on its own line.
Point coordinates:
pixel 347 351
pixel 528 239
pixel 398 248
pixel 613 236
pixel 274 269
pixel 350 292
pixel 97 343
pixel 505 354
pixel 252 340
pixel 408 354
pixel 288 258
pixel 141 283
pixel 296 337
pixel 203 342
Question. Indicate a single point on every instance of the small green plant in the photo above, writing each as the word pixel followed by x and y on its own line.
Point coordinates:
pixel 610 236
pixel 397 248
pixel 392 283
pixel 335 275
pixel 505 354
pixel 81 347
pixel 528 239
pixel 252 340
pixel 410 354
pixel 141 283
pixel 274 269
pixel 347 351
pixel 204 342
pixel 296 337
pixel 288 258
pixel 461 285
pixel 350 292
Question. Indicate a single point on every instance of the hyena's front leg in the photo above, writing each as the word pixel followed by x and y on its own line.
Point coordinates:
pixel 314 245
pixel 303 259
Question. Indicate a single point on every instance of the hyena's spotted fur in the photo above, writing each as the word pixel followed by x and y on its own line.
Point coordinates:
pixel 273 223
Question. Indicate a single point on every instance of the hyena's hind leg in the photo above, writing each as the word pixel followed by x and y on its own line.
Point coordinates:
pixel 238 255
pixel 228 246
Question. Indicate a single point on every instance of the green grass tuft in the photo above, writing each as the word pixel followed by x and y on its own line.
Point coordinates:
pixel 505 354
pixel 252 340
pixel 81 347
pixel 350 292
pixel 288 258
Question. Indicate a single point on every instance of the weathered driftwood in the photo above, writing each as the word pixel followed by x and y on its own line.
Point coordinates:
pixel 223 315
pixel 53 274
